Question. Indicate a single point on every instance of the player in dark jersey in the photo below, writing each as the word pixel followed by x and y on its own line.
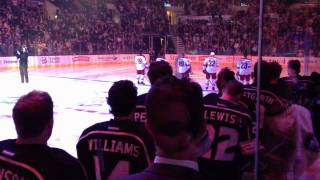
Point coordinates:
pixel 156 71
pixel 229 124
pixel 118 147
pixel 29 156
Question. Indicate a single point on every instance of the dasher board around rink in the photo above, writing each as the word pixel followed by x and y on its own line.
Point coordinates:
pixel 7 63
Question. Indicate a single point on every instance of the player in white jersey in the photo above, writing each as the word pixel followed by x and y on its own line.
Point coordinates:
pixel 183 67
pixel 210 67
pixel 141 65
pixel 244 70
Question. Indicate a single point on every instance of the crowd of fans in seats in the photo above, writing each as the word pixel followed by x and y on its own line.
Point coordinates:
pixel 124 27
pixel 287 31
pixel 92 28
pixel 183 134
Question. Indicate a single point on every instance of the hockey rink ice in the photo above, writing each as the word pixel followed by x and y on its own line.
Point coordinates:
pixel 79 95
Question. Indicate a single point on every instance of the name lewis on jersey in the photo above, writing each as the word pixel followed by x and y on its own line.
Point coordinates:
pixel 221 116
pixel 114 146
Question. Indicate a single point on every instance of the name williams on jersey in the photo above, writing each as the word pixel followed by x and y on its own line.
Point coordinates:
pixel 114 146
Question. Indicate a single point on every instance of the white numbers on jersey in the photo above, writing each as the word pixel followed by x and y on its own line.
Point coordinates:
pixel 222 147
pixel 121 169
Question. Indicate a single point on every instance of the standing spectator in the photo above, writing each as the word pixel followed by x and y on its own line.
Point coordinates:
pixel 229 125
pixel 156 71
pixel 302 86
pixel 289 140
pixel 29 156
pixel 118 147
pixel 175 120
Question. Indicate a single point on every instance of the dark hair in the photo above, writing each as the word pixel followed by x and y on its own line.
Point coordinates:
pixel 224 76
pixel 122 98
pixel 284 90
pixel 275 70
pixel 32 113
pixel 315 77
pixel 264 73
pixel 169 91
pixel 233 88
pixel 295 65
pixel 159 69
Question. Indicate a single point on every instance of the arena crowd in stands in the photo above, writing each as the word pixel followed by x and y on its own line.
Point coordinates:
pixel 89 28
pixel 99 27
pixel 287 31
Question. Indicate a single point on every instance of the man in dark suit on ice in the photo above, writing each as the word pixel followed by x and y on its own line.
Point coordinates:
pixel 22 55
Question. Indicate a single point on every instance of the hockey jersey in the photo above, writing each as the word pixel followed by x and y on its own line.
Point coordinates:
pixel 37 161
pixel 244 66
pixel 115 148
pixel 210 65
pixel 140 61
pixel 183 65
pixel 228 125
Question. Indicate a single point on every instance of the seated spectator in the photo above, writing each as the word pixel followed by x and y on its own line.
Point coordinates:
pixel 29 156
pixel 175 120
pixel 118 147
pixel 156 71
pixel 229 125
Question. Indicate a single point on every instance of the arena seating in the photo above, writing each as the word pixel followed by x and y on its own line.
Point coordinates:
pixel 99 27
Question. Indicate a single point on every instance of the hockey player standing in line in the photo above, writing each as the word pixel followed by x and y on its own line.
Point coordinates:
pixel 210 67
pixel 244 70
pixel 141 65
pixel 183 67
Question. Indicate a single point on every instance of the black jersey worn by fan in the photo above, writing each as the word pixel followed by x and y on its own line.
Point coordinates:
pixel 268 98
pixel 140 114
pixel 228 125
pixel 36 161
pixel 115 148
